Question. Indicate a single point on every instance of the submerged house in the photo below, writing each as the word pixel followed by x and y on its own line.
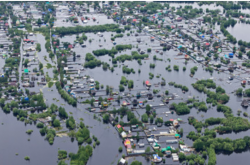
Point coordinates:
pixel 135 102
pixel 150 96
pixel 244 103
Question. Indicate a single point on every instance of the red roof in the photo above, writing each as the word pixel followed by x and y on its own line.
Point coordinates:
pixel 207 44
pixel 118 126
pixel 70 46
pixel 147 82
pixel 26 40
pixel 134 20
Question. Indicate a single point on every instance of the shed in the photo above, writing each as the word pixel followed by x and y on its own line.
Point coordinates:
pixel 26 71
pixel 231 55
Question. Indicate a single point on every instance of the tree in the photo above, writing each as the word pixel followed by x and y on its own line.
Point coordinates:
pixel 240 54
pixel 56 123
pixel 182 156
pixel 107 90
pixel 40 66
pixel 105 118
pixel 120 149
pixel 39 22
pixel 62 154
pixel 62 163
pixel 136 163
pixel 70 123
pixel 62 113
pixel 2 100
pixel 148 108
pixel 147 150
pixel 144 118
pixel 239 91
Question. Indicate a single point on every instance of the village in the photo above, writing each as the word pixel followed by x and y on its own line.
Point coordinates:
pixel 163 77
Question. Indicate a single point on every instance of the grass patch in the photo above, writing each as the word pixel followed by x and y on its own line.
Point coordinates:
pixel 49 66
pixel 50 84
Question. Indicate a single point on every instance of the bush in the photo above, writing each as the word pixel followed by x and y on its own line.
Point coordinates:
pixel 176 68
pixel 40 125
pixel 121 88
pixel 56 123
pixel 62 154
pixel 144 118
pixel 29 131
pixel 120 149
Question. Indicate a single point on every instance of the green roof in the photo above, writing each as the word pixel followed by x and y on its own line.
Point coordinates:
pixel 26 71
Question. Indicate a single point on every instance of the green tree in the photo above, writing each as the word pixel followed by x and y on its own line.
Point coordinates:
pixel 105 118
pixel 148 108
pixel 144 118
pixel 56 123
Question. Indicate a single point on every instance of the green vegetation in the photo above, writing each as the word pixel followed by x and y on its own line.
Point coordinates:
pixel 193 70
pixel 29 131
pixel 40 125
pixel 50 84
pixel 38 47
pixel 120 149
pixel 181 108
pixel 183 88
pixel 91 61
pixel 65 95
pixel 85 29
pixel 62 154
pixel 82 155
pixel 70 123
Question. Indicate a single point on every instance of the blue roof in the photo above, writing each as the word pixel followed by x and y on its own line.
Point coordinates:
pixel 231 54
pixel 226 56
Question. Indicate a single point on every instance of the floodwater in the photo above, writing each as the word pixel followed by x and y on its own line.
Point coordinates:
pixel 14 139
pixel 240 31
